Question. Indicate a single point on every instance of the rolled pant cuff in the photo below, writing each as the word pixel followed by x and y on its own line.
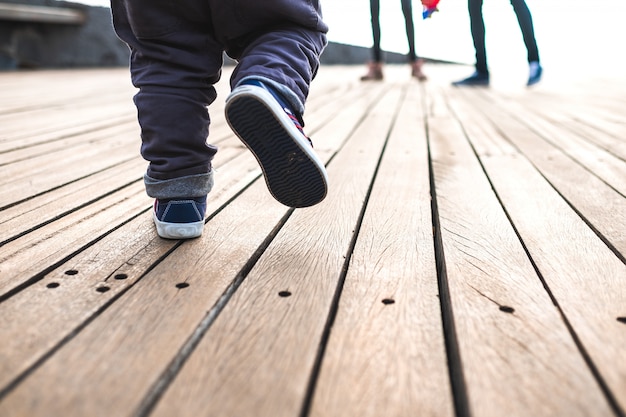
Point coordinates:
pixel 190 186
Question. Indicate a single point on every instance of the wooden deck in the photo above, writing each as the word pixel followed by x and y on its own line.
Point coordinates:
pixel 470 259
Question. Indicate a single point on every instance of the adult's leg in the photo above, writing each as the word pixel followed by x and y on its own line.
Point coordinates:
pixel 477 26
pixel 174 62
pixel 375 15
pixel 526 25
pixel 416 63
pixel 480 77
pixel 407 10
pixel 375 66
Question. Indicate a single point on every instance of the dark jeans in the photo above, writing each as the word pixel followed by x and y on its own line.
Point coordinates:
pixel 478 31
pixel 177 56
pixel 407 10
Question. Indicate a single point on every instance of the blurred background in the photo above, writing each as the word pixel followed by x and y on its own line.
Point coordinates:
pixel 570 33
pixel 574 36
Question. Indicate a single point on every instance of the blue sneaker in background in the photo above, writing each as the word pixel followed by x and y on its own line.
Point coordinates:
pixel 534 73
pixel 179 218
pixel 480 79
pixel 266 124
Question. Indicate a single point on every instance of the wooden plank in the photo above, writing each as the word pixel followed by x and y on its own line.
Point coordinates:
pixel 36 175
pixel 598 202
pixel 35 253
pixel 38 211
pixel 378 352
pixel 509 333
pixel 21 151
pixel 332 124
pixel 49 311
pixel 600 135
pixel 603 164
pixel 582 274
pixel 45 208
pixel 580 118
pixel 589 289
pixel 28 161
pixel 208 264
pixel 34 127
pixel 116 262
pixel 154 314
pixel 263 340
pixel 51 88
pixel 146 345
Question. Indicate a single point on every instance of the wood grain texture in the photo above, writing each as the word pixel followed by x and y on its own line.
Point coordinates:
pixel 508 301
pixel 583 275
pixel 499 303
pixel 600 201
pixel 263 339
pixel 84 285
pixel 385 356
pixel 131 344
pixel 34 253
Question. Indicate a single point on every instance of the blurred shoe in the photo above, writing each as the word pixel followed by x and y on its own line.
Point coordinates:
pixel 265 123
pixel 535 72
pixel 179 218
pixel 374 72
pixel 476 79
pixel 416 70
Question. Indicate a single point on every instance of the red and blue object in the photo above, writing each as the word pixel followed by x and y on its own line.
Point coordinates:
pixel 430 7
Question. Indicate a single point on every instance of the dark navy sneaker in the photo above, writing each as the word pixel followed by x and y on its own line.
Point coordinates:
pixel 179 218
pixel 534 73
pixel 476 79
pixel 265 123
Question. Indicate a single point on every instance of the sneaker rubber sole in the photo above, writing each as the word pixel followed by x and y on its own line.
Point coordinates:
pixel 169 230
pixel 293 173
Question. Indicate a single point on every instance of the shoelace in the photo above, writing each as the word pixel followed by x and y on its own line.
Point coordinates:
pixel 296 122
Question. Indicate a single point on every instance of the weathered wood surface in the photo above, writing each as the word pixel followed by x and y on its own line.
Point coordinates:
pixel 470 259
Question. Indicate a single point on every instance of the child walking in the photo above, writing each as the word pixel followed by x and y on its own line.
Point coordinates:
pixel 176 58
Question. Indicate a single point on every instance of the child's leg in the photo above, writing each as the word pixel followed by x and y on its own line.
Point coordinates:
pixel 174 63
pixel 287 58
pixel 265 109
pixel 280 40
pixel 278 44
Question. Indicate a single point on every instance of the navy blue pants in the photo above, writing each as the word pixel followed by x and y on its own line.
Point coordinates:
pixel 477 25
pixel 177 51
